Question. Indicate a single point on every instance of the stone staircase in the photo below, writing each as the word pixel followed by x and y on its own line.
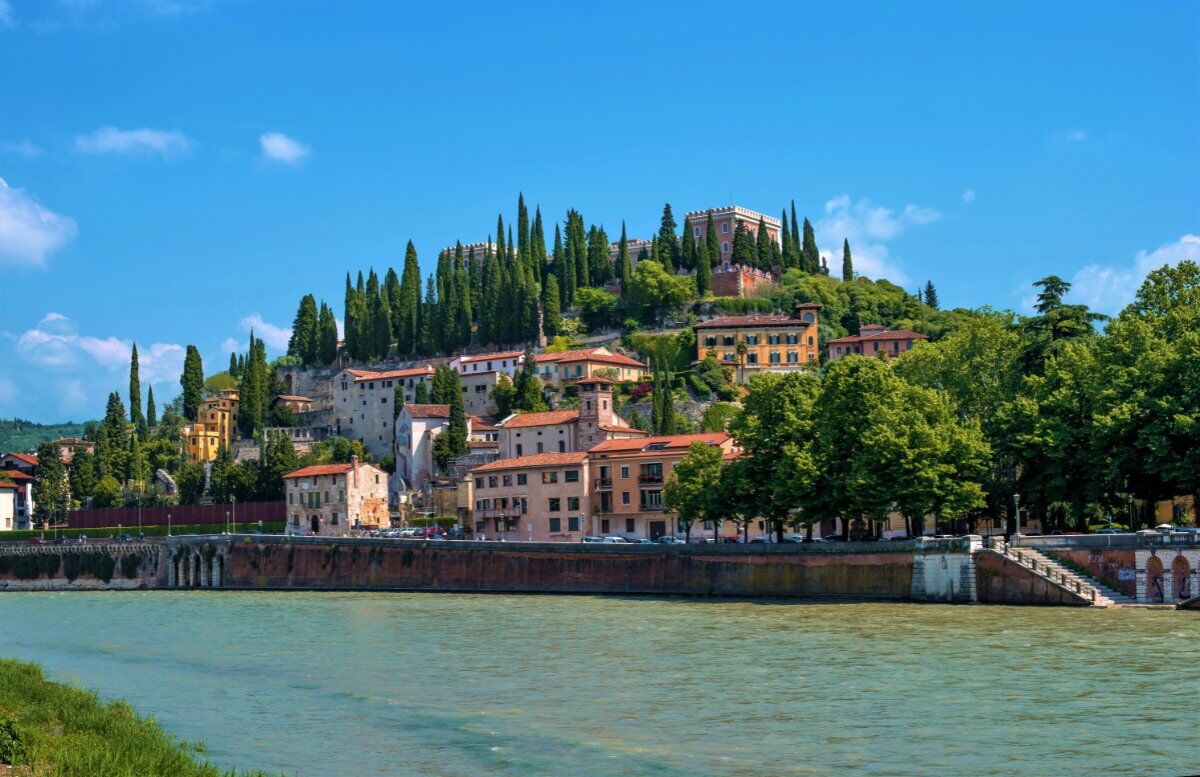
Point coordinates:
pixel 1083 584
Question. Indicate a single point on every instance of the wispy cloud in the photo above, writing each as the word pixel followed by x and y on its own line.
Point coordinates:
pixel 1109 288
pixel 868 227
pixel 275 337
pixel 168 144
pixel 28 229
pixel 278 147
pixel 20 148
pixel 968 195
pixel 1071 136
pixel 56 344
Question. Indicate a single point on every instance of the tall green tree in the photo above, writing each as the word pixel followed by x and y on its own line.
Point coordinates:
pixel 151 410
pixel 452 442
pixel 703 270
pixel 527 388
pixel 668 240
pixel 848 263
pixel 408 308
pixel 930 297
pixel 712 241
pixel 304 340
pixel 192 381
pixel 135 393
pixel 809 251
pixel 327 340
pixel 551 311
pixel 745 250
pixel 765 247
pixel 51 490
pixel 688 492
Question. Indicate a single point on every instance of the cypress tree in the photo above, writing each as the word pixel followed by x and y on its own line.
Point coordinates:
pixel 624 265
pixel 350 319
pixel 577 246
pixel 931 297
pixel 420 393
pixel 379 321
pixel 138 470
pixel 303 342
pixel 714 242
pixel 464 311
pixel 391 298
pixel 551 310
pixel 410 303
pixel 524 250
pixel 254 390
pixel 425 338
pixel 786 236
pixel 192 382
pixel 703 270
pixel 233 364
pixel 537 246
pixel 328 337
pixel 763 246
pixel 151 410
pixel 745 250
pixel 687 248
pixel 668 241
pixel 598 262
pixel 135 393
pixel 241 364
pixel 489 315
pixel 847 262
pixel 566 275
pixel 796 244
pixel 810 254
pixel 528 388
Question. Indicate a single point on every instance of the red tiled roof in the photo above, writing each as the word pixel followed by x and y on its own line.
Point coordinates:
pixel 491 356
pixel 671 442
pixel 428 411
pixel 320 469
pixel 536 460
pixel 482 444
pixel 736 322
pixel 540 419
pixel 14 475
pixel 479 424
pixel 294 398
pixel 587 355
pixel 412 372
pixel 29 458
pixel 623 429
pixel 881 334
pixel 71 441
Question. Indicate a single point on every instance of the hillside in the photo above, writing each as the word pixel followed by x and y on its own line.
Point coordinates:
pixel 17 434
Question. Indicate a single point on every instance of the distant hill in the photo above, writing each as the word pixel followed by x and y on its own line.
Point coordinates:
pixel 17 434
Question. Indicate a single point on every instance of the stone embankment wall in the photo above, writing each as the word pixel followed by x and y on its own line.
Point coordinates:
pixel 1000 580
pixel 528 567
pixel 78 567
pixel 1117 569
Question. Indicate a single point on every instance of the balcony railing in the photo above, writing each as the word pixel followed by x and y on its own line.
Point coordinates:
pixel 603 482
pixel 499 512
pixel 645 508
pixel 650 478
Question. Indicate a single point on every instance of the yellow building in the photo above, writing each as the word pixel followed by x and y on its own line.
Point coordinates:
pixel 216 425
pixel 760 342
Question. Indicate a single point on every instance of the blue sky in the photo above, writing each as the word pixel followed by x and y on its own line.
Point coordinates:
pixel 175 173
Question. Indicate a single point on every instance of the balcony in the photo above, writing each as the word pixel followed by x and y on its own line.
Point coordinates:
pixel 603 482
pixel 647 477
pixel 650 508
pixel 498 512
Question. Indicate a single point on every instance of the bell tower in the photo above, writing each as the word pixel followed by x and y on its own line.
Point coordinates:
pixel 595 412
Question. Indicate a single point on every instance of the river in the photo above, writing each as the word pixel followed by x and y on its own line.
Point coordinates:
pixel 451 684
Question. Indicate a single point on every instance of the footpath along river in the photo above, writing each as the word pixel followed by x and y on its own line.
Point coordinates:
pixel 448 684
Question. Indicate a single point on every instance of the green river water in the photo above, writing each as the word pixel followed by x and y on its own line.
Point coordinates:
pixel 448 684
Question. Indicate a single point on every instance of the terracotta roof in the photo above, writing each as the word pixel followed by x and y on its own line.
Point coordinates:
pixel 71 441
pixel 492 356
pixel 736 322
pixel 320 469
pixel 623 429
pixel 294 398
pixel 428 411
pixel 587 355
pixel 536 460
pixel 360 375
pixel 479 424
pixel 483 444
pixel 29 458
pixel 14 475
pixel 540 419
pixel 674 442
pixel 881 334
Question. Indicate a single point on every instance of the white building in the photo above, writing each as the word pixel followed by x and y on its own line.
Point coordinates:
pixel 364 403
pixel 508 362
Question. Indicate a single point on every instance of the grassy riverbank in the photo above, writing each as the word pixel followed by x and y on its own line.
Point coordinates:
pixel 52 730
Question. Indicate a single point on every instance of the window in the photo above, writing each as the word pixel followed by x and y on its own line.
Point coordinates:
pixel 710 341
pixel 624 470
pixel 491 481
pixel 624 497
pixel 555 525
pixel 793 339
pixel 571 476
pixel 573 503
pixel 808 318
pixel 774 357
pixel 630 526
pixel 550 477
pixel 521 479
pixel 652 500
pixel 519 449
pixel 554 504
pixel 604 526
pixel 752 358
pixel 793 358
pixel 772 339
pixel 810 340
pixel 696 231
pixel 573 523
pixel 751 339
pixel 507 481
pixel 727 340
pixel 383 400
pixel 562 445
pixel 725 248
pixel 479 482
pixel 539 450
pixel 725 227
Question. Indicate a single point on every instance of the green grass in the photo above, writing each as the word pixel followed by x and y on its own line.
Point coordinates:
pixel 68 732
pixel 271 527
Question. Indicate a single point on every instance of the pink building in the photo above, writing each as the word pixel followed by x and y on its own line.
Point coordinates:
pixel 725 221
pixel 541 498
pixel 874 340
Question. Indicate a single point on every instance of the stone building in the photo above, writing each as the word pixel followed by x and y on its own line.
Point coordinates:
pixel 507 362
pixel 874 340
pixel 364 403
pixel 725 221
pixel 335 500
pixel 542 497
pixel 758 342
pixel 477 392
pixel 557 369
pixel 566 431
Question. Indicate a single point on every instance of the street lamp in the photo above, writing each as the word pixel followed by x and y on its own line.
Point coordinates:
pixel 233 504
pixel 1016 513
pixel 168 524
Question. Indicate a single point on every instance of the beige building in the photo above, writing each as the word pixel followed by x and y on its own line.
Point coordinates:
pixel 69 446
pixel 364 403
pixel 762 343
pixel 477 392
pixel 566 431
pixel 534 498
pixel 335 500
pixel 558 369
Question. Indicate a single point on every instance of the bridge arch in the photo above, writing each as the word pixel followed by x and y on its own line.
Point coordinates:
pixel 1154 579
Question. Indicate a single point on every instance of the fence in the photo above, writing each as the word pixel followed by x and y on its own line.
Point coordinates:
pixel 249 512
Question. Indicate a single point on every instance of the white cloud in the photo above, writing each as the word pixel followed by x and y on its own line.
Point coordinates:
pixel 29 230
pixel 1109 288
pixel 968 195
pixel 869 228
pixel 1069 136
pixel 167 144
pixel 22 148
pixel 56 344
pixel 6 14
pixel 276 337
pixel 232 345
pixel 280 148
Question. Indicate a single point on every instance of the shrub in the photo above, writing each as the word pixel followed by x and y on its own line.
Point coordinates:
pixel 12 744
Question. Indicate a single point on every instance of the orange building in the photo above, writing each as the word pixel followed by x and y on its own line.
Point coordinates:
pixel 758 342
pixel 541 498
pixel 875 340
pixel 216 425
pixel 627 478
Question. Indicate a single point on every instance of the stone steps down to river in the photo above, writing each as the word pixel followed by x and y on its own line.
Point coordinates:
pixel 1100 594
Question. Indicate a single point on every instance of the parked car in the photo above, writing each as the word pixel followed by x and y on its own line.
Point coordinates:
pixel 123 538
pixel 731 540
pixel 1108 531
pixel 667 539
pixel 614 540
pixel 37 541
pixel 640 541
pixel 593 539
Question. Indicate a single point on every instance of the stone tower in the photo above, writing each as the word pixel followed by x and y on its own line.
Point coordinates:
pixel 595 413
